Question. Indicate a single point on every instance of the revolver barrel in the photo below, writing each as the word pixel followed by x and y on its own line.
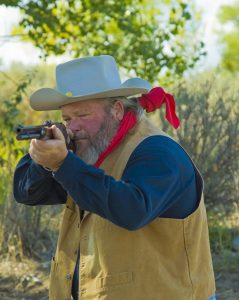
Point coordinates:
pixel 30 132
pixel 40 131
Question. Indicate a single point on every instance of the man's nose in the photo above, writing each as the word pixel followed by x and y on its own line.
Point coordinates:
pixel 73 125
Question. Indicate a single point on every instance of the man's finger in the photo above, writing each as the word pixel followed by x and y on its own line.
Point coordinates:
pixel 57 134
pixel 70 133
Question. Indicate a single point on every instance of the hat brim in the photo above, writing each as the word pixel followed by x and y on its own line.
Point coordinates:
pixel 46 99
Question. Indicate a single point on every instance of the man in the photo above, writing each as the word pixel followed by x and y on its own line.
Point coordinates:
pixel 135 224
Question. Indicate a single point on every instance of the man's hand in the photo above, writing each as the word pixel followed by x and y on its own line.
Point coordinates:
pixel 49 153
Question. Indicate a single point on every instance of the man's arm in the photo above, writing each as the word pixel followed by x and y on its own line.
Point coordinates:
pixel 159 180
pixel 33 185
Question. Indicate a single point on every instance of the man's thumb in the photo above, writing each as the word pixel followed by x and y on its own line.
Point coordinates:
pixel 57 134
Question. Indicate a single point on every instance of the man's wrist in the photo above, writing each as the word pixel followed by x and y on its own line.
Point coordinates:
pixel 55 168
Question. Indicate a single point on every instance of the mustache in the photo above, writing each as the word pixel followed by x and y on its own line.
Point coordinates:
pixel 80 136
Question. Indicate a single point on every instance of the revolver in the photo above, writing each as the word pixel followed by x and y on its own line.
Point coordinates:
pixel 41 131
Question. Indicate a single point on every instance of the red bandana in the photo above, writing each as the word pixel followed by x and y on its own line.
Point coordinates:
pixel 150 102
pixel 155 98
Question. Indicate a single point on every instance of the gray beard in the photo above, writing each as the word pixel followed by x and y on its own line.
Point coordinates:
pixel 100 141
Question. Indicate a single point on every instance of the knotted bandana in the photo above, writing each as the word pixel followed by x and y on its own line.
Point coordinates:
pixel 150 102
pixel 154 100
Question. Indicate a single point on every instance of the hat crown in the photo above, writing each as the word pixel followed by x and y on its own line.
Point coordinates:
pixel 87 75
pixel 86 78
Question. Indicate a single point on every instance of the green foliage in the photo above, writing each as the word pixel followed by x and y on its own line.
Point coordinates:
pixel 9 149
pixel 209 112
pixel 13 3
pixel 229 16
pixel 16 84
pixel 220 231
pixel 223 228
pixel 21 226
pixel 144 36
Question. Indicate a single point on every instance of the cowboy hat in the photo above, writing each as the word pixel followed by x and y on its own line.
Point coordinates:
pixel 93 77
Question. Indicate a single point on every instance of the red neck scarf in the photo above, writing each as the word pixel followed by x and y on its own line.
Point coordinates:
pixel 150 102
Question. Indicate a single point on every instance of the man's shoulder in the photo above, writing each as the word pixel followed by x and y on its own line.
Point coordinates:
pixel 161 141
pixel 161 147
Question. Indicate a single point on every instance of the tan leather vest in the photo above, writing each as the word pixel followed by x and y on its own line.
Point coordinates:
pixel 168 259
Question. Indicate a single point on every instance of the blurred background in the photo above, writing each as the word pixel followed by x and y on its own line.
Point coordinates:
pixel 191 48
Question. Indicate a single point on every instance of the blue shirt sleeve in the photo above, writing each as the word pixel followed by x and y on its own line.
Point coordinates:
pixel 159 180
pixel 33 185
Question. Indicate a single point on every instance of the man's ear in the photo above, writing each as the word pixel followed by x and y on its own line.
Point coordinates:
pixel 118 110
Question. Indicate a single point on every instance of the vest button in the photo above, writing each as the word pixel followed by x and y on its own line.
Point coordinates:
pixel 68 276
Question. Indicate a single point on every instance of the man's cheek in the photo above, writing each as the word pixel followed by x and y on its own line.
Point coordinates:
pixel 92 128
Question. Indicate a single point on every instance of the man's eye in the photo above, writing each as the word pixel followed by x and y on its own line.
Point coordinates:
pixel 82 115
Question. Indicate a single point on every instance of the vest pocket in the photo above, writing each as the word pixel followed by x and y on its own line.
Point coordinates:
pixel 114 280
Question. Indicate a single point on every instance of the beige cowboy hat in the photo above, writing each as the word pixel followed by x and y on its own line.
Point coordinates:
pixel 92 77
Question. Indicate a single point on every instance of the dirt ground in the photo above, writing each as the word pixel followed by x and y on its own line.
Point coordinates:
pixel 25 280
pixel 28 280
pixel 228 285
